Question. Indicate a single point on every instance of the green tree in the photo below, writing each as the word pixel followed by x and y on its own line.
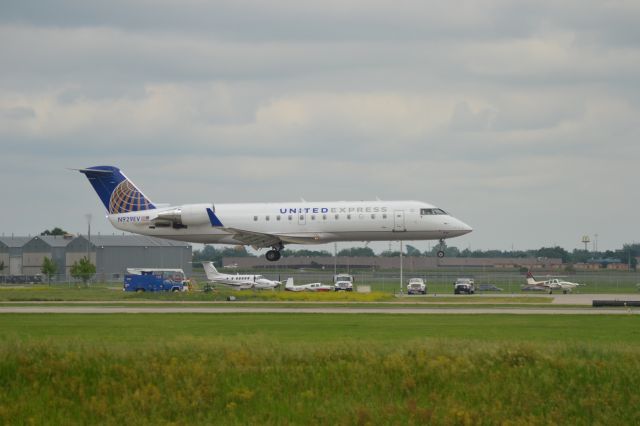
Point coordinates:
pixel 83 270
pixel 412 251
pixel 551 252
pixel 49 268
pixel 209 253
pixel 357 252
pixel 306 253
pixel 54 231
pixel 1 266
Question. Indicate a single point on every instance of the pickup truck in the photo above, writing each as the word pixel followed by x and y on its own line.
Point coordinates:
pixel 343 282
pixel 416 286
pixel 464 285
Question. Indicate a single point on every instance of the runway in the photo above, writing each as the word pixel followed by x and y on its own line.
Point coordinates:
pixel 311 310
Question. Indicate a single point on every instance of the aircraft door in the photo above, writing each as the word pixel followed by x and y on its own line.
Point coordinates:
pixel 302 219
pixel 398 221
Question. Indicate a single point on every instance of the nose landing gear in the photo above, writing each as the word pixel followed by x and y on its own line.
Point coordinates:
pixel 440 249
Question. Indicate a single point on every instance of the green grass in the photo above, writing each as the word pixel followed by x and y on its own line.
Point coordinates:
pixel 318 369
pixel 313 328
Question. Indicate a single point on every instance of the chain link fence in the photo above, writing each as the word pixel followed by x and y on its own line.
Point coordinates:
pixel 441 281
pixel 438 281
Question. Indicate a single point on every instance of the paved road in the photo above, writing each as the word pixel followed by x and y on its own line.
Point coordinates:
pixel 587 299
pixel 311 310
pixel 559 299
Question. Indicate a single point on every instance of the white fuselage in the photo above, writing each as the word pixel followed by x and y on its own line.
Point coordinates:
pixel 238 281
pixel 553 284
pixel 312 223
pixel 290 286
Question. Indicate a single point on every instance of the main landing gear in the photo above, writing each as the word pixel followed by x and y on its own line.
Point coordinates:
pixel 441 251
pixel 274 254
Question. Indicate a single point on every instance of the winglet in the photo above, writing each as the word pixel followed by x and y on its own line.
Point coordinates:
pixel 214 219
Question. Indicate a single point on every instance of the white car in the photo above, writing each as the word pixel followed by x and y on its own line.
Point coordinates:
pixel 416 286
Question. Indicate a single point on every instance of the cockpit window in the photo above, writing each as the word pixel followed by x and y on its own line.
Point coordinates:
pixel 424 212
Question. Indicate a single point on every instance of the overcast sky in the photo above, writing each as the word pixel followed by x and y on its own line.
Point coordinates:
pixel 519 117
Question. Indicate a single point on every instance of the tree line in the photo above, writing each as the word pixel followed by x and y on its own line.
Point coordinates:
pixel 626 254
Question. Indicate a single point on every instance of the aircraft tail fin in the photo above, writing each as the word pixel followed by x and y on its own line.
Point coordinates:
pixel 289 283
pixel 530 279
pixel 116 191
pixel 210 271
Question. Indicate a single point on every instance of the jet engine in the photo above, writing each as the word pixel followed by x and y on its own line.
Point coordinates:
pixel 188 214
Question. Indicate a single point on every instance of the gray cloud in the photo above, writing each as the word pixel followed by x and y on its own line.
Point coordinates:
pixel 514 116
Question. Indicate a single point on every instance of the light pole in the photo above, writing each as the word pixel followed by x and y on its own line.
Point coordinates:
pixel 401 271
pixel 88 217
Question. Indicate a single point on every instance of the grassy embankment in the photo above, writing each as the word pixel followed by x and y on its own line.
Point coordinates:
pixel 319 369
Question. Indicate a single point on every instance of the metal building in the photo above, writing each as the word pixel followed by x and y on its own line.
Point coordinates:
pixel 36 249
pixel 112 254
pixel 115 253
pixel 11 254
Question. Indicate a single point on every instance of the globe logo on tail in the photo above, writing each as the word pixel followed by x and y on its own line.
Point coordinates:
pixel 127 198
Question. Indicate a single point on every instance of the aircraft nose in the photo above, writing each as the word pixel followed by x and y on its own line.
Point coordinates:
pixel 461 227
pixel 465 228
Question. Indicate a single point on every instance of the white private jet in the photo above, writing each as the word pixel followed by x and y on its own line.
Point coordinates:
pixel 289 286
pixel 552 284
pixel 240 282
pixel 270 224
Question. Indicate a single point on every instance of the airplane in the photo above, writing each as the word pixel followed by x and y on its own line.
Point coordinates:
pixel 270 225
pixel 289 286
pixel 240 282
pixel 551 284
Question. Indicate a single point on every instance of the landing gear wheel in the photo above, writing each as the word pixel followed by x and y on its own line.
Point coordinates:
pixel 441 251
pixel 273 255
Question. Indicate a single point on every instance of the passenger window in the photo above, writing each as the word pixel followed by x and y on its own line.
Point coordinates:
pixel 373 216
pixel 337 216
pixel 301 217
pixel 348 216
pixel 384 216
pixel 255 218
pixel 324 217
pixel 266 218
pixel 313 217
pixel 278 217
pixel 290 217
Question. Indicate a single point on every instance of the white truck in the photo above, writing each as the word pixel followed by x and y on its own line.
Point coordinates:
pixel 416 286
pixel 464 285
pixel 343 282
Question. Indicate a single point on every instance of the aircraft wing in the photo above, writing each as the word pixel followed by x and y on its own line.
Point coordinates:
pixel 260 240
pixel 255 239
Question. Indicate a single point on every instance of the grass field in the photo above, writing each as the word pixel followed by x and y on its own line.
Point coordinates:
pixel 318 369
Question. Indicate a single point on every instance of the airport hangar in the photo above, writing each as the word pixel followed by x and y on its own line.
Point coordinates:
pixel 112 254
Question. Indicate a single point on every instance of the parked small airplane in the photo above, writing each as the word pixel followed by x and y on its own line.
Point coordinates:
pixel 239 282
pixel 551 284
pixel 289 286
pixel 270 224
